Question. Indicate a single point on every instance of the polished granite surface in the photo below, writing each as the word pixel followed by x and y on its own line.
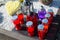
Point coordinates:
pixel 5 37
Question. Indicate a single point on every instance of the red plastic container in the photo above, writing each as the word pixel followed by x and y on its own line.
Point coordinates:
pixel 46 24
pixel 30 28
pixel 41 32
pixel 16 22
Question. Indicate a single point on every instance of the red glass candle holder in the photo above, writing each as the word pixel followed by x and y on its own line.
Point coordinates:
pixel 50 11
pixel 33 18
pixel 35 23
pixel 21 18
pixel 18 27
pixel 16 22
pixel 30 28
pixel 41 35
pixel 46 25
pixel 51 18
pixel 48 16
pixel 29 18
pixel 41 32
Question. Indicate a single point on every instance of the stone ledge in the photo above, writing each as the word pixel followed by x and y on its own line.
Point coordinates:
pixel 16 35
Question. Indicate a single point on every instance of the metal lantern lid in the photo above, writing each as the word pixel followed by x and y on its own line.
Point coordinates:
pixel 50 10
pixel 29 23
pixel 14 17
pixel 45 21
pixel 47 15
pixel 41 26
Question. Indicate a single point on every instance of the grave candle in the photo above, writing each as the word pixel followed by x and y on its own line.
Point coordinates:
pixel 45 23
pixel 50 11
pixel 16 22
pixel 21 18
pixel 41 31
pixel 48 16
pixel 30 28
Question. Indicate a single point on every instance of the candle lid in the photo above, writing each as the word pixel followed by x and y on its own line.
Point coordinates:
pixel 45 21
pixel 14 17
pixel 29 23
pixel 47 15
pixel 41 26
pixel 50 10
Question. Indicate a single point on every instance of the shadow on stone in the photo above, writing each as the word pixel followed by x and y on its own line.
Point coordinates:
pixel 1 18
pixel 5 37
pixel 55 3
